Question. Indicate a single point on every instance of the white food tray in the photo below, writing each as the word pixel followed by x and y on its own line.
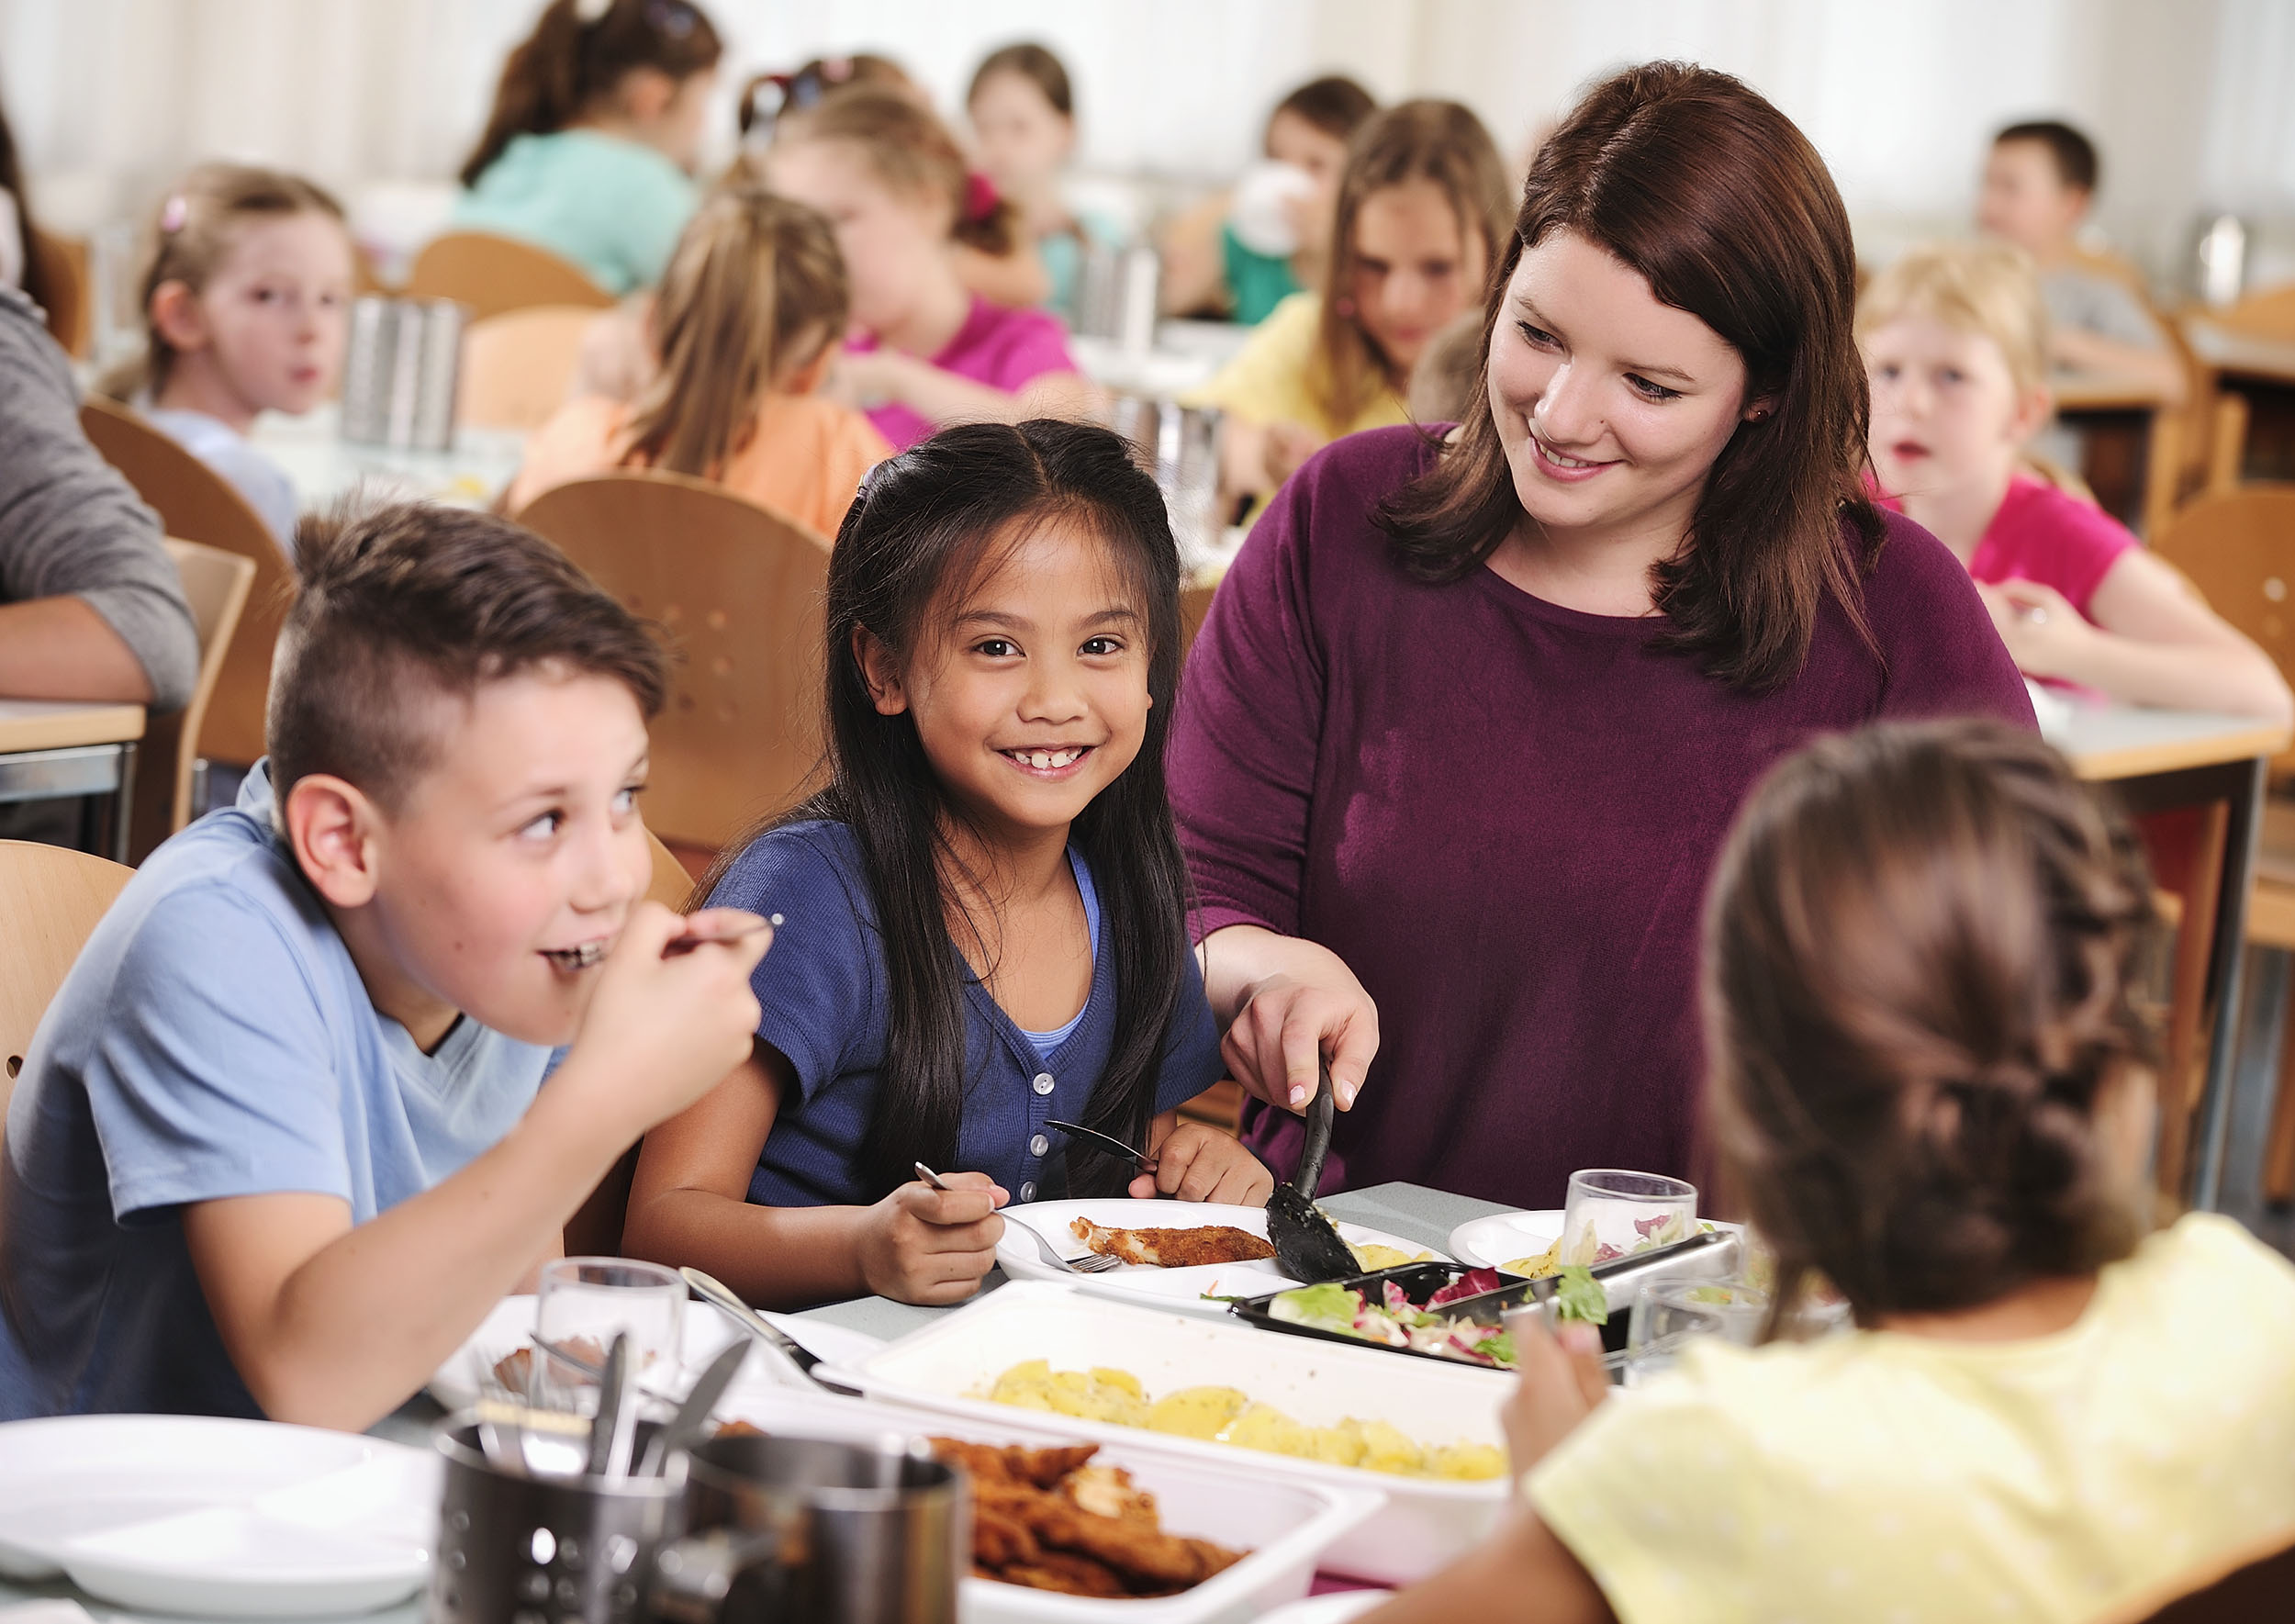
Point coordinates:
pixel 1425 1523
pixel 1286 1526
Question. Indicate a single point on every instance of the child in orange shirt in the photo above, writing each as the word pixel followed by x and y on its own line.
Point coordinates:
pixel 744 329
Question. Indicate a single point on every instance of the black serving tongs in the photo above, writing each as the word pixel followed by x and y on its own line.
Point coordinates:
pixel 1307 1246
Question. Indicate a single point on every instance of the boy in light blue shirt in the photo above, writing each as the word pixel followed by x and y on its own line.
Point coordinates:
pixel 282 1138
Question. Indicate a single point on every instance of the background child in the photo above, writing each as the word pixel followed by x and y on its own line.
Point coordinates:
pixel 595 134
pixel 1423 211
pixel 1024 123
pixel 2039 181
pixel 929 350
pixel 744 326
pixel 1930 1082
pixel 1956 341
pixel 246 300
pixel 988 901
pixel 1207 266
pixel 280 1142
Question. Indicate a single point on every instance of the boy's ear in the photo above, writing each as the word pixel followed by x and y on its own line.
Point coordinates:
pixel 176 317
pixel 332 828
pixel 880 671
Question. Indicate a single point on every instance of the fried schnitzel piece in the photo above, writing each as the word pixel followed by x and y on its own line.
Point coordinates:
pixel 1066 1574
pixel 1042 1468
pixel 1173 1249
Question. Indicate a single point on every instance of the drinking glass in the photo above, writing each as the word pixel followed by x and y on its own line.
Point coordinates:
pixel 1611 1211
pixel 1668 1314
pixel 585 1301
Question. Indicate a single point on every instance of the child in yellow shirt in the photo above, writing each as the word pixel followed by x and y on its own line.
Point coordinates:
pixel 1931 1082
pixel 745 328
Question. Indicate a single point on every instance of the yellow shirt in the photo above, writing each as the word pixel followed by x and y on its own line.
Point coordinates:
pixel 804 460
pixel 1266 380
pixel 1880 1477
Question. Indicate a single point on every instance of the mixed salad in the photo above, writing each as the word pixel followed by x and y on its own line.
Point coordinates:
pixel 1398 1322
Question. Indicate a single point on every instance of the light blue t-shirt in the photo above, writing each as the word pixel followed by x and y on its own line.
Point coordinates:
pixel 611 206
pixel 255 477
pixel 213 1040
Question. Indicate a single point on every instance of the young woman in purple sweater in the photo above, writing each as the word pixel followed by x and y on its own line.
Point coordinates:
pixel 1462 735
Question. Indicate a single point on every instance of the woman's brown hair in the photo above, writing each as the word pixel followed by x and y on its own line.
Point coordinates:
pixel 911 151
pixel 194 232
pixel 1921 955
pixel 754 292
pixel 1445 145
pixel 557 71
pixel 1721 204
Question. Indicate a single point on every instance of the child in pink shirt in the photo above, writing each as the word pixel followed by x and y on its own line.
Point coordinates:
pixel 1956 341
pixel 924 351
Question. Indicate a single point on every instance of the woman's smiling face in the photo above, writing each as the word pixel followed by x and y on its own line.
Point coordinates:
pixel 1611 405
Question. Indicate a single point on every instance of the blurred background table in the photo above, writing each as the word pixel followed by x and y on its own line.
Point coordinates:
pixel 324 466
pixel 61 749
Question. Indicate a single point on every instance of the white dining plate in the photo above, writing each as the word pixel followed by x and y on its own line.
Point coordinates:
pixel 1335 1608
pixel 1502 1238
pixel 202 1516
pixel 1196 1289
pixel 455 1383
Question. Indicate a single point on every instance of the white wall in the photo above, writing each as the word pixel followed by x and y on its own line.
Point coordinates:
pixel 2190 99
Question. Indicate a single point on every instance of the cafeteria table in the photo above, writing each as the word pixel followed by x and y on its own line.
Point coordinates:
pixel 2159 761
pixel 59 749
pixel 323 466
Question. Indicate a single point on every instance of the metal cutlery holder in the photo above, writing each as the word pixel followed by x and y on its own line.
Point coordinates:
pixel 1179 445
pixel 1116 296
pixel 401 372
pixel 517 1550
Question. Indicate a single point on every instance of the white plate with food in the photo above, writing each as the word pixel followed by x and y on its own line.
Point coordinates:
pixel 1335 1607
pixel 1224 1397
pixel 1161 1242
pixel 203 1517
pixel 492 1354
pixel 1513 1243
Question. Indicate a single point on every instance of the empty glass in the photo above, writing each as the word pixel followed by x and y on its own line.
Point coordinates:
pixel 1668 1314
pixel 584 1300
pixel 1611 1211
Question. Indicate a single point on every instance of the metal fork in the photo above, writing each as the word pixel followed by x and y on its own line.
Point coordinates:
pixel 1089 1263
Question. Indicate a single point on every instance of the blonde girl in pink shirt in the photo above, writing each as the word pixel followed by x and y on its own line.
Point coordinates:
pixel 1955 341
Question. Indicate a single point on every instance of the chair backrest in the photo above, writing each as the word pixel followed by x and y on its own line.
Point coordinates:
pixel 492 275
pixel 51 898
pixel 63 262
pixel 671 883
pixel 198 504
pixel 216 583
pixel 739 590
pixel 2238 548
pixel 517 367
pixel 1195 604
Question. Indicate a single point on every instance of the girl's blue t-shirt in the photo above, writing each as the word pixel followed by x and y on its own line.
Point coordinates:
pixel 613 206
pixel 824 993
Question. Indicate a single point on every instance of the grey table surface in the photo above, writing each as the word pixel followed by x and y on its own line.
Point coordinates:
pixel 1411 1211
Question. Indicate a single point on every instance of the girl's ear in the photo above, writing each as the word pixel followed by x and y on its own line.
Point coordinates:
pixel 880 671
pixel 176 317
pixel 644 94
pixel 805 379
pixel 2034 408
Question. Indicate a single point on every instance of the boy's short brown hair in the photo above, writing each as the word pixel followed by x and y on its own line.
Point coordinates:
pixel 409 603
pixel 2074 155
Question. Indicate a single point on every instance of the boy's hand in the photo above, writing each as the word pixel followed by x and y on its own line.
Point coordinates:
pixel 928 1246
pixel 1562 1382
pixel 1197 1162
pixel 661 1032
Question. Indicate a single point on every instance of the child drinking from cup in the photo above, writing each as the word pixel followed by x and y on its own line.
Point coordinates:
pixel 983 914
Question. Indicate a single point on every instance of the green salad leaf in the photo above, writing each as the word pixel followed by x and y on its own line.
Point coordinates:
pixel 1328 1307
pixel 1499 1350
pixel 1579 1296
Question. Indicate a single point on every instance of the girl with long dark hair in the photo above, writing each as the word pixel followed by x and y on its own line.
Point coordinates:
pixel 1471 710
pixel 983 915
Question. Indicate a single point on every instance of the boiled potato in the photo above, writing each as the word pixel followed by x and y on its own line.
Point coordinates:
pixel 1263 1426
pixel 1196 1412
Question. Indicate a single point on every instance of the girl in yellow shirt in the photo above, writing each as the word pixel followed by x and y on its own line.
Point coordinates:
pixel 744 329
pixel 1424 204
pixel 1931 1082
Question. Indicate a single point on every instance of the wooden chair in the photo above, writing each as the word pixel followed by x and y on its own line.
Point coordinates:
pixel 51 898
pixel 2245 1588
pixel 594 1230
pixel 739 590
pixel 1195 604
pixel 63 262
pixel 217 583
pixel 2238 550
pixel 492 275
pixel 517 367
pixel 198 504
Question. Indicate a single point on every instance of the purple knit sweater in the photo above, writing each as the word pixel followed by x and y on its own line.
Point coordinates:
pixel 1502 814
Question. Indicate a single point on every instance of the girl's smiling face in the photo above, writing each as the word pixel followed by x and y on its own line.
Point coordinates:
pixel 1947 416
pixel 1611 405
pixel 1033 698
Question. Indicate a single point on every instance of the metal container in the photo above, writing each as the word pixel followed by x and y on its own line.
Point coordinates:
pixel 1117 291
pixel 1179 445
pixel 2223 260
pixel 515 1549
pixel 813 1528
pixel 401 372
